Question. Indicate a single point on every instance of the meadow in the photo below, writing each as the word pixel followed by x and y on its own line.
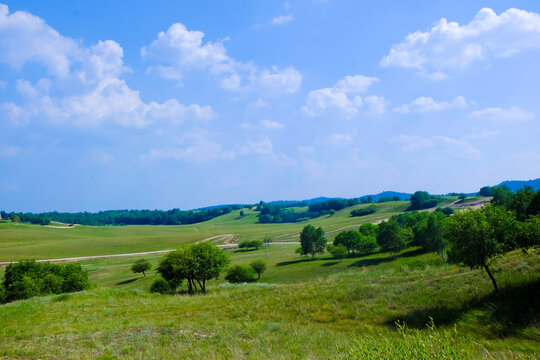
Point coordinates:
pixel 413 305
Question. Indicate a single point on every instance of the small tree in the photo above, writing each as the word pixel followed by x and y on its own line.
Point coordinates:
pixel 141 266
pixel 473 242
pixel 312 241
pixel 338 251
pixel 390 237
pixel 350 239
pixel 259 267
pixel 242 213
pixel 15 218
pixel 240 274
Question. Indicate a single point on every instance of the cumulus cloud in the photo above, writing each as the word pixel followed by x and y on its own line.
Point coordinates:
pixel 343 96
pixel 179 50
pixel 512 114
pixel 449 45
pixel 439 144
pixel 425 104
pixel 91 77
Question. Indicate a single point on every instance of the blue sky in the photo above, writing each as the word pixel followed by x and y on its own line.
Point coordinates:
pixel 167 104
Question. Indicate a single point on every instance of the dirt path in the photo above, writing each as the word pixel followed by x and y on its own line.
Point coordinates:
pixel 226 237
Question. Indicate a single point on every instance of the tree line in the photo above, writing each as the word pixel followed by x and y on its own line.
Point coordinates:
pixel 270 213
pixel 124 217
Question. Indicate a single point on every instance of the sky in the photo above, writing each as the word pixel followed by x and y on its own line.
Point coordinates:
pixel 186 104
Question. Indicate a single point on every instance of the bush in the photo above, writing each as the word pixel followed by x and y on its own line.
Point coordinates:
pixel 28 278
pixel 338 251
pixel 240 274
pixel 2 294
pixel 365 211
pixel 161 286
pixel 247 244
pixel 446 211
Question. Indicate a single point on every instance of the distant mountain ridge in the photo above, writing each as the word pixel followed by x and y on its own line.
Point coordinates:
pixel 515 185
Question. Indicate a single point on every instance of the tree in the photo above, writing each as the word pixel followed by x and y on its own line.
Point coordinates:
pixel 390 237
pixel 472 241
pixel 240 274
pixel 367 244
pixel 502 195
pixel 486 191
pixel 15 218
pixel 422 200
pixel 338 251
pixel 242 213
pixel 430 233
pixel 259 267
pixel 141 266
pixel 312 241
pixel 350 239
pixel 197 264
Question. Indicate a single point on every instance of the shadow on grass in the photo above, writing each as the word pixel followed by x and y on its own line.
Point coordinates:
pixel 127 281
pixel 291 262
pixel 331 263
pixel 244 250
pixel 387 258
pixel 505 313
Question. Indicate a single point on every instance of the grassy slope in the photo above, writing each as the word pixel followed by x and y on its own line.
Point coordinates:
pixel 18 241
pixel 301 309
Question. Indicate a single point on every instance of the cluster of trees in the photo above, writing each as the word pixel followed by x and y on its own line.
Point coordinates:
pixel 196 264
pixel 423 200
pixel 126 217
pixel 28 278
pixel 237 274
pixel 248 244
pixel 364 211
pixel 284 214
pixel 369 199
pixel 39 219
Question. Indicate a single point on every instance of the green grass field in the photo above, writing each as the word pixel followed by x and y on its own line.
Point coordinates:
pixel 372 307
pixel 20 241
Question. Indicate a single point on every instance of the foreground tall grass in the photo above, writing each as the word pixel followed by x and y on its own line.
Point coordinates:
pixel 301 309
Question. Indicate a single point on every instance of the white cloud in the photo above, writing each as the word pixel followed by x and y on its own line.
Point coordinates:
pixel 343 97
pixel 454 46
pixel 512 114
pixel 270 124
pixel 3 85
pixel 426 104
pixel 179 50
pixel 340 139
pixel 198 150
pixel 86 81
pixel 282 19
pixel 439 144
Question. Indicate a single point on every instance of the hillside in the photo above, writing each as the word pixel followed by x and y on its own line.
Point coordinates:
pixel 515 185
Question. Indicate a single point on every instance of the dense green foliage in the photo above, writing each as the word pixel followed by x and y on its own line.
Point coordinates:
pixel 127 217
pixel 364 211
pixel 422 200
pixel 339 252
pixel 141 266
pixel 161 286
pixel 237 274
pixel 248 244
pixel 38 219
pixel 312 241
pixel 390 237
pixel 197 264
pixel 29 278
pixel 284 214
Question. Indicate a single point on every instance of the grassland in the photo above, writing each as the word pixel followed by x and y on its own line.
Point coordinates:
pixel 300 308
pixel 19 241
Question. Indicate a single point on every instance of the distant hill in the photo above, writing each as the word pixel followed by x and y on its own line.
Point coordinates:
pixel 391 194
pixel 515 185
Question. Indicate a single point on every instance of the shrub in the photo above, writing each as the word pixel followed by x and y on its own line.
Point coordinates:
pixel 2 294
pixel 337 251
pixel 161 286
pixel 247 244
pixel 259 267
pixel 28 278
pixel 240 274
pixel 446 211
